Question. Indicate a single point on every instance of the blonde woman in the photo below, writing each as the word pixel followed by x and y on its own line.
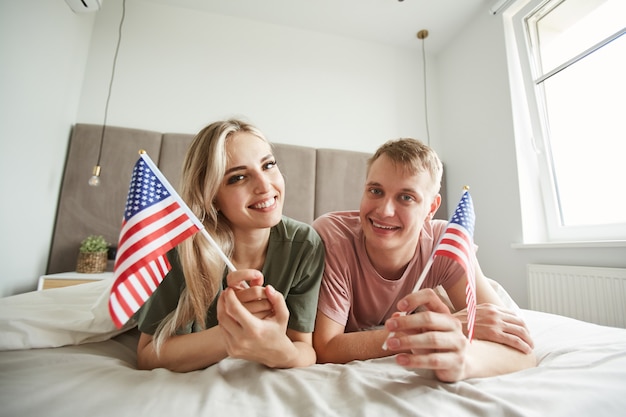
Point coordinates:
pixel 265 310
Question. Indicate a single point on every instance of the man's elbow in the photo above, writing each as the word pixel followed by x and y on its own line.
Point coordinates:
pixel 320 351
pixel 323 351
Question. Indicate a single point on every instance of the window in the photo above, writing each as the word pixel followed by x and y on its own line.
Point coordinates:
pixel 571 85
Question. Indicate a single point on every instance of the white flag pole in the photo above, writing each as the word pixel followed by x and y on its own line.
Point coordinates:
pixel 422 277
pixel 221 253
pixel 418 285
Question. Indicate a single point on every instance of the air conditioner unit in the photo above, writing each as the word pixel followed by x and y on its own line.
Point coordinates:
pixel 84 6
pixel 499 6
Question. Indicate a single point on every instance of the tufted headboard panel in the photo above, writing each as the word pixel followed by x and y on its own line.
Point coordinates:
pixel 83 210
pixel 317 181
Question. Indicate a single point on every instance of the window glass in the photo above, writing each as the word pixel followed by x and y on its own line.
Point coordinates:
pixel 571 88
pixel 586 117
pixel 564 29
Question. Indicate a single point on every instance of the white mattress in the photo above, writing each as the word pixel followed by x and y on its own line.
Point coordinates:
pixel 61 356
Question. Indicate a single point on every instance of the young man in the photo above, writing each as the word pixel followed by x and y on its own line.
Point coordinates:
pixel 374 257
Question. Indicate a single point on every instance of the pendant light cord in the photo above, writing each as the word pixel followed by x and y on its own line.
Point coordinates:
pixel 106 107
pixel 425 90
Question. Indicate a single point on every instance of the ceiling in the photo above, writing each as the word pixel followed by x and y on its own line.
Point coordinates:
pixel 392 22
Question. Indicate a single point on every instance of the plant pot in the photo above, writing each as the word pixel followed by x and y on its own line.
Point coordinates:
pixel 91 262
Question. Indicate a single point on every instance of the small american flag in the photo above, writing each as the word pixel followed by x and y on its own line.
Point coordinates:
pixel 155 220
pixel 457 243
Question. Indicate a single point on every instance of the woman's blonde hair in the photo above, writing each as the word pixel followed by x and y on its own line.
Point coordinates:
pixel 413 156
pixel 203 172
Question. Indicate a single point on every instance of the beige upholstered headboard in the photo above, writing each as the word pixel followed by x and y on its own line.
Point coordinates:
pixel 317 181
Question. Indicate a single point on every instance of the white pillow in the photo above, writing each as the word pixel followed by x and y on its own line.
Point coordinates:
pixel 58 317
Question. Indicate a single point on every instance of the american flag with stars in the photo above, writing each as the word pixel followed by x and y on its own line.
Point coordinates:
pixel 457 243
pixel 155 220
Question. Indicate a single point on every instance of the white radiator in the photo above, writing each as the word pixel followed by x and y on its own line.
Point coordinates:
pixel 596 295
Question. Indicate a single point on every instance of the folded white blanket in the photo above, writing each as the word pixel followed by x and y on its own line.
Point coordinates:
pixel 57 317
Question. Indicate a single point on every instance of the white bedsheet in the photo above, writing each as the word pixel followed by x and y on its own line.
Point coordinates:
pixel 581 372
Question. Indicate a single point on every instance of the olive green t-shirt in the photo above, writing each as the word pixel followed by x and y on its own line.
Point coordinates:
pixel 293 266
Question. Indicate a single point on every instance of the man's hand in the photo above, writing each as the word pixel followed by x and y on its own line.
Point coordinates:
pixel 500 325
pixel 433 336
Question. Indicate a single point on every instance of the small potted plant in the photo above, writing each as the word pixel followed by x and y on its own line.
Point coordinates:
pixel 92 255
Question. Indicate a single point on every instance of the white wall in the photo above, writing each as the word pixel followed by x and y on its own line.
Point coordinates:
pixel 43 50
pixel 478 146
pixel 177 70
pixel 180 69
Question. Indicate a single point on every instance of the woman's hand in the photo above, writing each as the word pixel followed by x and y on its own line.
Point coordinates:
pixel 433 336
pixel 239 279
pixel 500 325
pixel 247 336
pixel 252 296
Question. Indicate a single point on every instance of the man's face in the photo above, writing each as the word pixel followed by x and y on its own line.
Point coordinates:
pixel 394 207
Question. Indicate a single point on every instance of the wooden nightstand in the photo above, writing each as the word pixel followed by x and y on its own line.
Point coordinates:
pixel 65 279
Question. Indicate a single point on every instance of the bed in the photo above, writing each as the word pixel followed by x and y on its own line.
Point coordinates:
pixel 60 354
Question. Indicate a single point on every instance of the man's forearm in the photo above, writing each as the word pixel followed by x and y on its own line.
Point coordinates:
pixel 347 347
pixel 490 359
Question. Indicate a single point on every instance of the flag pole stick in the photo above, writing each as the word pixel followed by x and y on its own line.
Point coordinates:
pixel 422 277
pixel 220 252
pixel 419 283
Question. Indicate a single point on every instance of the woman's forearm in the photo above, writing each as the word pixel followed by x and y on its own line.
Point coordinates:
pixel 182 353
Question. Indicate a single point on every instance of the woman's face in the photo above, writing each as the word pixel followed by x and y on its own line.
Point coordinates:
pixel 252 191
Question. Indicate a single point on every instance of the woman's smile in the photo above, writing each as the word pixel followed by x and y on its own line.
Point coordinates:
pixel 265 205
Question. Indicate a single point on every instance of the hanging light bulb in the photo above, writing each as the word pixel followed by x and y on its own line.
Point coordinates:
pixel 94 181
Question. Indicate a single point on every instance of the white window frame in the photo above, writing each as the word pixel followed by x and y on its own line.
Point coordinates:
pixel 540 210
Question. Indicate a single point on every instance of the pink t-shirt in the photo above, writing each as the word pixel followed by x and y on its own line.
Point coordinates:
pixel 352 292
